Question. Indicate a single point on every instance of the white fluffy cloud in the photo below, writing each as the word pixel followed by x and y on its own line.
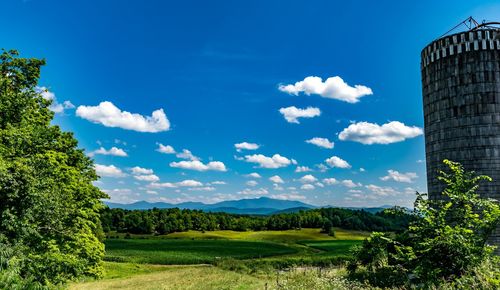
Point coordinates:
pixel 253 175
pixel 113 151
pixel 55 107
pixel 248 191
pixel 332 88
pixel 321 142
pixel 276 161
pixel 349 183
pixel 399 177
pixel 139 170
pixel 166 149
pixel 246 146
pixel 189 183
pixel 288 196
pixel 218 182
pixel 109 115
pixel 108 170
pixel 308 179
pixel 252 183
pixel 292 114
pixel 330 181
pixel 184 183
pixel 186 154
pixel 149 178
pixel 307 187
pixel 204 188
pixel 276 179
pixel 338 162
pixel 369 133
pixel 302 169
pixel 199 166
pixel 381 191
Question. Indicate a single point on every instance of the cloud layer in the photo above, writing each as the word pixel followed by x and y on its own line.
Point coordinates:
pixel 109 115
pixel 332 88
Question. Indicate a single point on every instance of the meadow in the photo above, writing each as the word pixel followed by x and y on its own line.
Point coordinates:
pixel 216 259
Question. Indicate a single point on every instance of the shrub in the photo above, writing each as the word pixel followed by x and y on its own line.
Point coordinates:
pixel 447 240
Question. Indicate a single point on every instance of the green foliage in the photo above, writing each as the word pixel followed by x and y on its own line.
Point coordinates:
pixel 165 221
pixel 49 209
pixel 445 242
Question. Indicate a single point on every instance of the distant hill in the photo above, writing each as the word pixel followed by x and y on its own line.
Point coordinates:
pixel 373 210
pixel 262 205
pixel 291 210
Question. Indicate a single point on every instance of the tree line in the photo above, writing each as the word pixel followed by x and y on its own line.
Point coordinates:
pixel 165 221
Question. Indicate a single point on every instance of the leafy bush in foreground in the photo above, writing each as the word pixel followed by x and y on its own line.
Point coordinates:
pixel 445 244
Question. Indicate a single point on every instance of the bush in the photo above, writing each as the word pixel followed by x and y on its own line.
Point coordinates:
pixel 447 241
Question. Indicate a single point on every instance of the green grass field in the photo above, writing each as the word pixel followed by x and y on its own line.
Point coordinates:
pixel 333 248
pixel 155 262
pixel 187 251
pixel 147 277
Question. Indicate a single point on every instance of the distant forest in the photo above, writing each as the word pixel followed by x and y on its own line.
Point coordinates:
pixel 164 221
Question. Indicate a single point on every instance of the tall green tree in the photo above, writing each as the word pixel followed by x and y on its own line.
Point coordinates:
pixel 49 209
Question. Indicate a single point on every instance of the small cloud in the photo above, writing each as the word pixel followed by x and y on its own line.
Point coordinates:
pixel 253 175
pixel 248 191
pixel 300 169
pixel 321 142
pixel 292 114
pixel 166 149
pixel 186 154
pixel 322 167
pixel 114 151
pixel 149 178
pixel 399 177
pixel 184 183
pixel 139 170
pixel 331 88
pixel 276 179
pixel 276 161
pixel 55 106
pixel 199 166
pixel 252 183
pixel 307 187
pixel 246 146
pixel 217 182
pixel 308 179
pixel 349 183
pixel 205 188
pixel 338 162
pixel 108 171
pixel 330 181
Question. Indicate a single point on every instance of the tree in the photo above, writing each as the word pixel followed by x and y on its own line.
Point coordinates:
pixel 447 239
pixel 49 209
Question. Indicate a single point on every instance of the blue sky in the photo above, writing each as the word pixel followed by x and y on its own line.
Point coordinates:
pixel 220 73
